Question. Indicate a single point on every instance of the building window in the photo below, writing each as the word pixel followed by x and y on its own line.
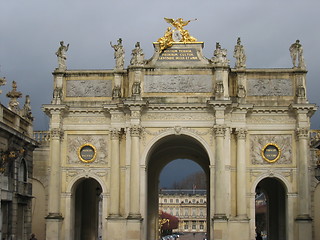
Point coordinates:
pixel 201 225
pixel 171 200
pixel 22 174
pixel 193 201
pixel 201 200
pixel 186 200
pixel 186 226
pixel 177 200
pixel 186 212
pixel 194 226
pixel 165 200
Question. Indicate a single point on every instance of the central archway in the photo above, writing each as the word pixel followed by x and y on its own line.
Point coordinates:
pixel 165 150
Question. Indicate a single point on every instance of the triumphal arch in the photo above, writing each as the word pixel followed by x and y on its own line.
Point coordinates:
pixel 113 131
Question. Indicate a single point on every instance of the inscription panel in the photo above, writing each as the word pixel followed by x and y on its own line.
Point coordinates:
pixel 178 83
pixel 89 88
pixel 186 54
pixel 269 87
pixel 77 141
pixel 259 142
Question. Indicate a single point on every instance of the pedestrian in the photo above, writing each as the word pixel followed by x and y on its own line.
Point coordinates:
pixel 258 237
pixel 33 237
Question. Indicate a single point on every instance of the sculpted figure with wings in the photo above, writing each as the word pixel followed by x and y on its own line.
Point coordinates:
pixel 176 35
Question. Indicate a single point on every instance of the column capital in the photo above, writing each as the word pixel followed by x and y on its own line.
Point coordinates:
pixel 56 133
pixel 241 133
pixel 135 131
pixel 302 133
pixel 115 134
pixel 219 130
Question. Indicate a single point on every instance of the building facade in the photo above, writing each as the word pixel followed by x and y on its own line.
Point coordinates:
pixel 189 206
pixel 112 132
pixel 16 167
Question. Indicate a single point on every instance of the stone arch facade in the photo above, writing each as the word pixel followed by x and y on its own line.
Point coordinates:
pixel 248 124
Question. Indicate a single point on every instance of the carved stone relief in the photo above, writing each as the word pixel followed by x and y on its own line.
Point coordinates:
pixel 99 141
pixel 258 141
pixel 89 88
pixel 269 119
pixel 178 83
pixel 87 172
pixel 269 87
pixel 85 120
pixel 177 116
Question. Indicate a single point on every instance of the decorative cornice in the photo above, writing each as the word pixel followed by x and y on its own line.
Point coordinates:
pixel 49 109
pixel 308 109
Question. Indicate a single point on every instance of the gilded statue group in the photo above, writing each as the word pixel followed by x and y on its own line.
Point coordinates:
pixel 175 35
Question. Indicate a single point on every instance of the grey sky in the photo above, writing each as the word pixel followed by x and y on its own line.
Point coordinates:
pixel 31 31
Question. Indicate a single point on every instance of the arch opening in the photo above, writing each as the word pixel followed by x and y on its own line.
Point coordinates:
pixel 164 152
pixel 87 202
pixel 270 209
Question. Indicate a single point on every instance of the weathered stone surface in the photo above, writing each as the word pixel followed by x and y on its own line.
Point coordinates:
pixel 269 87
pixel 178 83
pixel 89 88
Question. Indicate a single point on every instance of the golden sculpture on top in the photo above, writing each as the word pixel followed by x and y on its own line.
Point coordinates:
pixel 176 35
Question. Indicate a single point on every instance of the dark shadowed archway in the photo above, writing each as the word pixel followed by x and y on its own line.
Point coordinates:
pixel 87 209
pixel 271 209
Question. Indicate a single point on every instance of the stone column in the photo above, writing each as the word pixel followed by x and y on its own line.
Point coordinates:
pixel 220 191
pixel 303 173
pixel 303 219
pixel 134 211
pixel 115 174
pixel 241 174
pixel 54 215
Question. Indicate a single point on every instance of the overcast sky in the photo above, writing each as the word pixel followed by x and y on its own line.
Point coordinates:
pixel 31 31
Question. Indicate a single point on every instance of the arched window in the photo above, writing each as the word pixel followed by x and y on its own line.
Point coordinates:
pixel 22 171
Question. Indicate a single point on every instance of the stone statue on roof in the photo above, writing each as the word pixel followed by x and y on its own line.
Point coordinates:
pixel 137 55
pixel 296 52
pixel 239 55
pixel 118 54
pixel 62 57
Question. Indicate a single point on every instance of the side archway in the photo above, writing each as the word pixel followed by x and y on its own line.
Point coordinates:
pixel 86 209
pixel 271 208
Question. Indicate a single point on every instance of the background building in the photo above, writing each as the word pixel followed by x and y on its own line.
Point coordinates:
pixel 16 167
pixel 190 206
